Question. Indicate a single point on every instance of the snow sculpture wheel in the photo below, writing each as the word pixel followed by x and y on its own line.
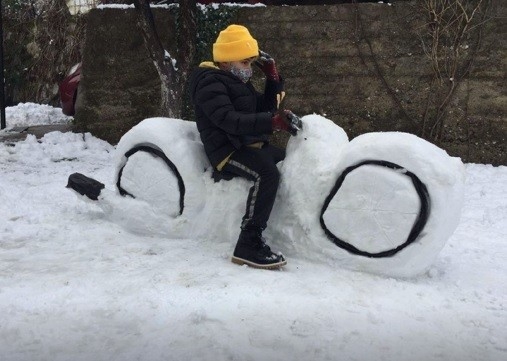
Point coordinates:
pixel 137 183
pixel 387 199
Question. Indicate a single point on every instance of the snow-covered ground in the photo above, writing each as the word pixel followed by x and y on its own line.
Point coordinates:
pixel 75 286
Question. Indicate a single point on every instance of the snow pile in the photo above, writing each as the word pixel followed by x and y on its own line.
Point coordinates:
pixel 398 224
pixel 376 207
pixel 25 114
pixel 211 211
pixel 55 147
pixel 202 7
pixel 76 286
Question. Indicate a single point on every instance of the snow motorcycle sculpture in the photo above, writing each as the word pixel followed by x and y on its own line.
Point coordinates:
pixel 383 203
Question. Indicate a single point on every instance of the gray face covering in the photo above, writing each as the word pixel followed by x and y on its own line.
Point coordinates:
pixel 243 74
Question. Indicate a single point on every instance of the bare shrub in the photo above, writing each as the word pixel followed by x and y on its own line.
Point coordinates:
pixel 450 38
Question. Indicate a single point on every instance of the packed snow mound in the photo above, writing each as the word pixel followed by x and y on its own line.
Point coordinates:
pixel 384 202
pixel 388 201
pixel 179 190
pixel 29 114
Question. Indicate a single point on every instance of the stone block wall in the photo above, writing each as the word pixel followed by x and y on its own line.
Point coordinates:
pixel 119 84
pixel 360 65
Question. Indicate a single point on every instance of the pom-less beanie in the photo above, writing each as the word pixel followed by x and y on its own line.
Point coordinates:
pixel 233 44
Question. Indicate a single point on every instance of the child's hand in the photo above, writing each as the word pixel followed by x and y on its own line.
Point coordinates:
pixel 287 121
pixel 295 123
pixel 267 64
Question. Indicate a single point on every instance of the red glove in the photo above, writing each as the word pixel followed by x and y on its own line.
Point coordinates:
pixel 267 64
pixel 287 121
pixel 279 122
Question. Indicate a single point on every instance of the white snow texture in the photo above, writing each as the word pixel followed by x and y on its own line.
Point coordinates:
pixel 76 286
pixel 374 210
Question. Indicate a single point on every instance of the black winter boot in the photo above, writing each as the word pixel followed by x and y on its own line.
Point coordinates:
pixel 253 251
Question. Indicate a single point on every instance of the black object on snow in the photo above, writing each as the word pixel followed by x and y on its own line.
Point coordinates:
pixel 85 186
pixel 157 153
pixel 419 223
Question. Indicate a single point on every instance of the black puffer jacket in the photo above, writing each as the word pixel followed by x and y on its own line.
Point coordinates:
pixel 230 113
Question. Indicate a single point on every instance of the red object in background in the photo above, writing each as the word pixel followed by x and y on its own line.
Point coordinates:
pixel 68 90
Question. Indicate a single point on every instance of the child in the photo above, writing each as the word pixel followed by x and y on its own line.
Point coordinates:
pixel 234 122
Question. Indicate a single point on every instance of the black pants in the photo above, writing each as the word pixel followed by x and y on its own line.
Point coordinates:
pixel 259 166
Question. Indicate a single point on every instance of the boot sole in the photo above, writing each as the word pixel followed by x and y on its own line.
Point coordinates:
pixel 242 261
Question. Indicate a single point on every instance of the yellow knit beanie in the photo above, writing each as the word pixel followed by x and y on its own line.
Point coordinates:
pixel 233 44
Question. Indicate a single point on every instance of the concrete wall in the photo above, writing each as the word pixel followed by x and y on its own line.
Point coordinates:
pixel 361 66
